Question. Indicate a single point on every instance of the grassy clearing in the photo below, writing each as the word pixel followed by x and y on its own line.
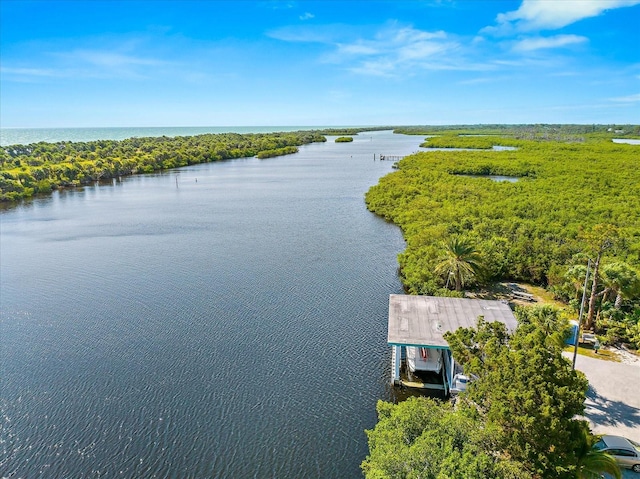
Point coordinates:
pixel 502 291
pixel 604 354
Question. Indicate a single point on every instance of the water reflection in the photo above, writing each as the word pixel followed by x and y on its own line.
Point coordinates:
pixel 510 179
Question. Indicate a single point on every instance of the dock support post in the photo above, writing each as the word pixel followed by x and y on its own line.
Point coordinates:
pixel 396 357
pixel 453 371
pixel 444 381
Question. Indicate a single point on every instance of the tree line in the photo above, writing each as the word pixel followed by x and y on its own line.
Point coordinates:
pixel 26 170
pixel 527 131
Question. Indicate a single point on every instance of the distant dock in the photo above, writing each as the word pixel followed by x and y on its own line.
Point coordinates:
pixel 388 157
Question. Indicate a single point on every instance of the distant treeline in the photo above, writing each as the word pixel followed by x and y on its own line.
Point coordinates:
pixel 285 150
pixel 353 131
pixel 26 170
pixel 526 131
pixel 484 142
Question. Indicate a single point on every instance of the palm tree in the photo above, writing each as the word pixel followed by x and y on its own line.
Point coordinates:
pixel 620 280
pixel 592 464
pixel 546 318
pixel 575 276
pixel 460 261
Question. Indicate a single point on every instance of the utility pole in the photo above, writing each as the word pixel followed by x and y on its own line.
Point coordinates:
pixel 584 293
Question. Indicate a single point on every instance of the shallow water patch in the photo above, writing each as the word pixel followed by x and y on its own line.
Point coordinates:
pixel 510 179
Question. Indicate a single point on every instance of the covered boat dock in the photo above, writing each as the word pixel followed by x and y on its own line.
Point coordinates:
pixel 417 325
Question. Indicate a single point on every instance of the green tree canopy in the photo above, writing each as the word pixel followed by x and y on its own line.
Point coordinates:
pixel 423 438
pixel 524 228
pixel 526 389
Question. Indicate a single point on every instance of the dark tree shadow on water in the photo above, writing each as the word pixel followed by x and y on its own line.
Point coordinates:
pixel 606 412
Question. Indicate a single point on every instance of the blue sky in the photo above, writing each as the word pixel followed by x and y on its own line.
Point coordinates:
pixel 252 63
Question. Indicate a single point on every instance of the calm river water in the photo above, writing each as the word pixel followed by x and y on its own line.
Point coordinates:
pixel 221 320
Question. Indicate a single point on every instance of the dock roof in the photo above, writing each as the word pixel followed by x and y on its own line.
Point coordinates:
pixel 423 320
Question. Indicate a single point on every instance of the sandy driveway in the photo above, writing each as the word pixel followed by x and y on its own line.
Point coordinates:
pixel 613 398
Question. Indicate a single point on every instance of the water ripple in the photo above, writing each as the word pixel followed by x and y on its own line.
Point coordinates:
pixel 233 328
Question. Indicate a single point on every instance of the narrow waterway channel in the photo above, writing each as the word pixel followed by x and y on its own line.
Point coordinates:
pixel 221 320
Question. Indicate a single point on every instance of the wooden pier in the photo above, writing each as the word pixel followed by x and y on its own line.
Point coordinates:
pixel 388 157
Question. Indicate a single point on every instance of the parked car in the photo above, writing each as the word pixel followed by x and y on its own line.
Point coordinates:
pixel 625 451
pixel 461 382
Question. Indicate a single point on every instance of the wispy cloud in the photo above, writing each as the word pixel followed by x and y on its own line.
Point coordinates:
pixel 328 34
pixel 307 16
pixel 566 74
pixel 477 81
pixel 357 49
pixel 109 59
pixel 278 4
pixel 397 50
pixel 391 50
pixel 29 72
pixel 539 43
pixel 534 15
pixel 338 96
pixel 120 59
pixel 627 99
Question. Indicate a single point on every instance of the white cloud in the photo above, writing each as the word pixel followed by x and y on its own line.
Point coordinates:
pixel 97 63
pixel 552 14
pixel 377 68
pixel 627 99
pixel 88 63
pixel 566 74
pixel 357 49
pixel 310 34
pixel 539 43
pixel 338 96
pixel 29 72
pixel 477 81
pixel 390 51
pixel 394 50
pixel 109 59
pixel 307 16
pixel 278 5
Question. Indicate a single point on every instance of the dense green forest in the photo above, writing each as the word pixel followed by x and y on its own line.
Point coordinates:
pixel 566 202
pixel 26 170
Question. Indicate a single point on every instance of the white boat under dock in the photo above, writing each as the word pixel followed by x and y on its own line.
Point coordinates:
pixel 420 322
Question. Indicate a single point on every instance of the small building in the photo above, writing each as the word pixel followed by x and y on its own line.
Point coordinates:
pixel 417 325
